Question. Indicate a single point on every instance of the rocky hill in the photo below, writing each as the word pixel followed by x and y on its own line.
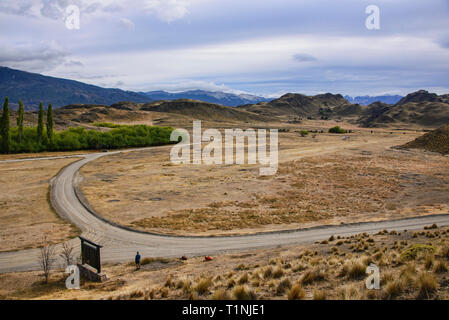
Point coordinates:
pixel 204 111
pixel 420 108
pixel 435 141
pixel 294 105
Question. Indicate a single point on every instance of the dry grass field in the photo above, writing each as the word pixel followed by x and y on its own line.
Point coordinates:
pixel 26 215
pixel 322 179
pixel 412 265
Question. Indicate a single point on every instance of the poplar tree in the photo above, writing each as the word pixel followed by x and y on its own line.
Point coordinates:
pixel 5 127
pixel 40 124
pixel 20 121
pixel 50 123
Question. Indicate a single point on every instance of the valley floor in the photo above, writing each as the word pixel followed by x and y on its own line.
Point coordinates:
pixel 322 179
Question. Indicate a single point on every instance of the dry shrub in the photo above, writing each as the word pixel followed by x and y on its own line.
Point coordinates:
pixel 243 279
pixel 221 294
pixel 427 285
pixel 163 292
pixel 169 282
pixel 440 266
pixel 296 293
pixel 353 270
pixel 203 285
pixel 268 272
pixel 394 288
pixel 231 283
pixel 443 251
pixel 283 286
pixel 244 293
pixel 386 277
pixel 320 295
pixel 136 294
pixel 428 261
pixel 350 292
pixel 299 267
pixel 313 275
pixel 278 272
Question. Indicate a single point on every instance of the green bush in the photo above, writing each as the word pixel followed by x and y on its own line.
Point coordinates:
pixel 107 125
pixel 416 251
pixel 337 129
pixel 81 139
pixel 304 133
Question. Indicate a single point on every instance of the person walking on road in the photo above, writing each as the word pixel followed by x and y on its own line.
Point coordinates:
pixel 137 260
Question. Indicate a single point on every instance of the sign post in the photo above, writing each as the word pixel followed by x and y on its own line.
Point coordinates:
pixel 91 260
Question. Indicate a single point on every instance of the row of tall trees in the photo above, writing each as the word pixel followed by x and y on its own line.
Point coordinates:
pixel 5 124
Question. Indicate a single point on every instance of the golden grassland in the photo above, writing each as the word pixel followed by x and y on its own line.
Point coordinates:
pixel 321 180
pixel 27 219
pixel 413 265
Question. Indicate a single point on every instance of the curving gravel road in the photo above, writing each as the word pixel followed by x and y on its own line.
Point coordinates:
pixel 120 244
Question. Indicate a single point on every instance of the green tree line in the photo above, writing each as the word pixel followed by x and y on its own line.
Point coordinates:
pixel 44 138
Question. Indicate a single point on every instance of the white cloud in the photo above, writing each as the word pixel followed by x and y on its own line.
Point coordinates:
pixel 339 60
pixel 37 57
pixel 127 24
pixel 167 10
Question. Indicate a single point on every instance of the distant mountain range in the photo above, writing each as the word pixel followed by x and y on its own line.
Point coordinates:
pixel 225 99
pixel 33 88
pixel 366 100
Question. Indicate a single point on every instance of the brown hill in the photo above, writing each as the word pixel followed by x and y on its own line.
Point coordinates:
pixel 435 141
pixel 420 108
pixel 204 111
pixel 294 105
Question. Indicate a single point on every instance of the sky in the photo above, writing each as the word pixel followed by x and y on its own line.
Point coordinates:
pixel 263 47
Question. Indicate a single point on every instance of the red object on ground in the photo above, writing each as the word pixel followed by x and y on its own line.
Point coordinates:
pixel 207 258
pixel 183 258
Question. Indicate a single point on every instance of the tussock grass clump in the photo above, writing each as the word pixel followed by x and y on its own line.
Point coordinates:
pixel 440 266
pixel 394 288
pixel 136 294
pixel 169 282
pixel 181 283
pixel 296 292
pixel 350 292
pixel 203 285
pixel 278 272
pixel 283 286
pixel 353 270
pixel 244 293
pixel 313 275
pixel 429 261
pixel 146 261
pixel 299 267
pixel 163 292
pixel 319 295
pixel 221 294
pixel 243 279
pixel 386 277
pixel 268 272
pixel 427 285
pixel 444 251
pixel 230 284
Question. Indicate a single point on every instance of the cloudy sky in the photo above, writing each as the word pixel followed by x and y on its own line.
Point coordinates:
pixel 265 47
